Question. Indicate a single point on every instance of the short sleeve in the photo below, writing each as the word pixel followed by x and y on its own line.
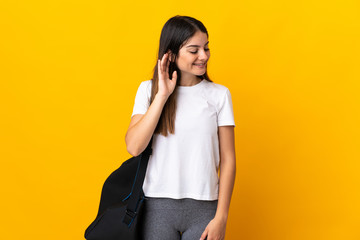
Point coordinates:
pixel 142 98
pixel 226 113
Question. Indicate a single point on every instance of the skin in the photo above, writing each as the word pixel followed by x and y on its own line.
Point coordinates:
pixel 146 123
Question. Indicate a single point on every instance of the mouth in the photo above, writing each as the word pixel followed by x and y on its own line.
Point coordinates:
pixel 200 65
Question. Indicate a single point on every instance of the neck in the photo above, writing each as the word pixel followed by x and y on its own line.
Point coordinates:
pixel 189 81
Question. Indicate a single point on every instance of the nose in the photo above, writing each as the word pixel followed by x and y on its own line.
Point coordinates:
pixel 203 55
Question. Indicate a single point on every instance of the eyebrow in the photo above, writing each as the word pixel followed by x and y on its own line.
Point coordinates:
pixel 197 45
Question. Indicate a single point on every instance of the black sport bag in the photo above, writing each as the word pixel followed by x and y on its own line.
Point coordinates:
pixel 120 212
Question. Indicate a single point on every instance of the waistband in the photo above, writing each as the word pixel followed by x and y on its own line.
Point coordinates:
pixel 184 203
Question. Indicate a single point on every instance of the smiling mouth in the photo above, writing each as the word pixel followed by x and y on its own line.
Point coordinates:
pixel 200 65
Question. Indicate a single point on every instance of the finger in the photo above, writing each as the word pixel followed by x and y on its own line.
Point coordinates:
pixel 159 67
pixel 174 76
pixel 204 234
pixel 161 63
pixel 164 62
pixel 167 65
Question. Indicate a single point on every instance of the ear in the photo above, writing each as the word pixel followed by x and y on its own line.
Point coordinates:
pixel 171 56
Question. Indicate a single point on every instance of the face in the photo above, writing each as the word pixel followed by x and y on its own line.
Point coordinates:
pixel 193 56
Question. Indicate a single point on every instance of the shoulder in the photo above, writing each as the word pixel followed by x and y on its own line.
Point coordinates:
pixel 146 83
pixel 216 94
pixel 144 90
pixel 145 86
pixel 215 88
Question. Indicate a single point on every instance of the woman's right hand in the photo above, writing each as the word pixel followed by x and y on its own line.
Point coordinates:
pixel 166 85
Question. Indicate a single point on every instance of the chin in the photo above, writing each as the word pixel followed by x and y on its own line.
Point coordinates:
pixel 200 72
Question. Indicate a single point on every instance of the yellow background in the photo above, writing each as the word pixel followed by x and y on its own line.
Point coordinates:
pixel 69 72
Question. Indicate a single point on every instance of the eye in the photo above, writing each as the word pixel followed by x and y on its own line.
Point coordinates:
pixel 206 49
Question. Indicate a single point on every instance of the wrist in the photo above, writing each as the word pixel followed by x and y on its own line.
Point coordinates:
pixel 221 216
pixel 161 97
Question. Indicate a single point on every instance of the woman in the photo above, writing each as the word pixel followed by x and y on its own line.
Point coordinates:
pixel 193 125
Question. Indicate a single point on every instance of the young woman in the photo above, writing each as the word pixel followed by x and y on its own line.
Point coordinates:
pixel 192 121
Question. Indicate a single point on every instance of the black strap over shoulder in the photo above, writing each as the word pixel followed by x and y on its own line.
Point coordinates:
pixel 137 193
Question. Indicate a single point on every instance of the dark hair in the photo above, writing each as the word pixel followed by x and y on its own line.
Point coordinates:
pixel 175 33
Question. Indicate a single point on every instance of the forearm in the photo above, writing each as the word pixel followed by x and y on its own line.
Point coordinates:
pixel 226 185
pixel 138 136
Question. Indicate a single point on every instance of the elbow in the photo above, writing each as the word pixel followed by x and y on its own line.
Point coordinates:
pixel 132 151
pixel 131 148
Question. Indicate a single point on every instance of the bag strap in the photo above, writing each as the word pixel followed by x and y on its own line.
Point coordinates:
pixel 131 208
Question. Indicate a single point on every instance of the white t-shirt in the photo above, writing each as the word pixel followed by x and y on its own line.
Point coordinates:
pixel 185 164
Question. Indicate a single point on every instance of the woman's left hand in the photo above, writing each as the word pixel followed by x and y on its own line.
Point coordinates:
pixel 215 230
